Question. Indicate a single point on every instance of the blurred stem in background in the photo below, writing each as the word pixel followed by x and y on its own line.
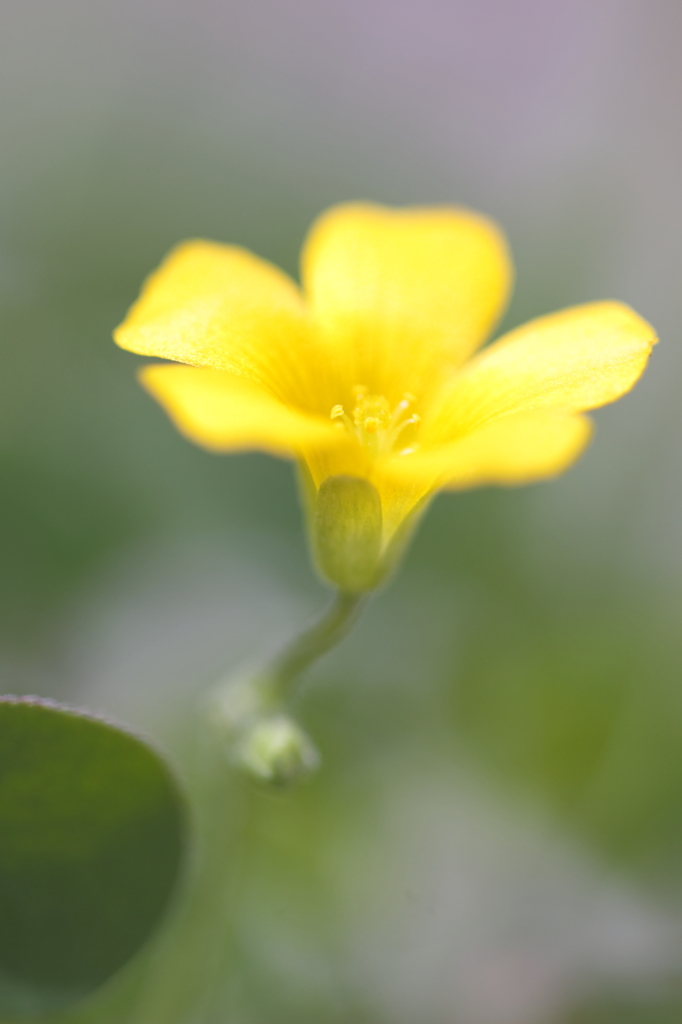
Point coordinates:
pixel 249 712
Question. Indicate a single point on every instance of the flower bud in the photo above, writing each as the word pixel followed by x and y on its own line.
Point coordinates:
pixel 277 751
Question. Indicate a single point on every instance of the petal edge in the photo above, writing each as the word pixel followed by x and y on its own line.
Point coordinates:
pixel 223 412
pixel 222 307
pixel 508 451
pixel 574 360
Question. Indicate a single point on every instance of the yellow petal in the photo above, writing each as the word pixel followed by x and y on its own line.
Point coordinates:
pixel 515 449
pixel 220 306
pixel 402 296
pixel 578 359
pixel 223 412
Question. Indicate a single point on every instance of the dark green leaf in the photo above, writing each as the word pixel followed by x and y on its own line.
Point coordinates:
pixel 91 837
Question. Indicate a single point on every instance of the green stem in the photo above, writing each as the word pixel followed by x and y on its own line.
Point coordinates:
pixel 249 711
pixel 283 672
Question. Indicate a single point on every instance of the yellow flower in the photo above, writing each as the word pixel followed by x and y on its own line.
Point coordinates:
pixel 368 375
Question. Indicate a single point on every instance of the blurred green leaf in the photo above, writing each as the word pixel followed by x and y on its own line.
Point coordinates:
pixel 92 830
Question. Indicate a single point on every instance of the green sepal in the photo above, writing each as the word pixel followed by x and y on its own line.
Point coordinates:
pixel 347 533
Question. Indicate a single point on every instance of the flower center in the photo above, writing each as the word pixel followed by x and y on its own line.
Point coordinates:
pixel 377 427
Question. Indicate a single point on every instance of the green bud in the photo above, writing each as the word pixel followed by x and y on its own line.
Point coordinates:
pixel 347 533
pixel 277 751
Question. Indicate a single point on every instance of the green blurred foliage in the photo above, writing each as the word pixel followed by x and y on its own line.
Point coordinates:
pixel 92 835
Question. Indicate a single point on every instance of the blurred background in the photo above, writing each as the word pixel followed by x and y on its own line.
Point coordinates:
pixel 496 834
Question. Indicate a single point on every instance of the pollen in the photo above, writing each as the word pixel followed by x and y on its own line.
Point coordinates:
pixel 375 424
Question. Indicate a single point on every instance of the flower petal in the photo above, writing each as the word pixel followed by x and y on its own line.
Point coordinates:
pixel 220 306
pixel 511 450
pixel 223 412
pixel 578 359
pixel 403 296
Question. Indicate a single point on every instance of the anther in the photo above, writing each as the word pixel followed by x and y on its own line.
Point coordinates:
pixel 337 412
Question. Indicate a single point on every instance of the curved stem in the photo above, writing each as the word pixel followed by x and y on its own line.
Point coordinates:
pixel 283 672
pixel 249 711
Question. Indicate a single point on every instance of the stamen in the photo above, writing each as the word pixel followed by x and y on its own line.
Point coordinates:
pixel 406 423
pixel 373 423
pixel 402 406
